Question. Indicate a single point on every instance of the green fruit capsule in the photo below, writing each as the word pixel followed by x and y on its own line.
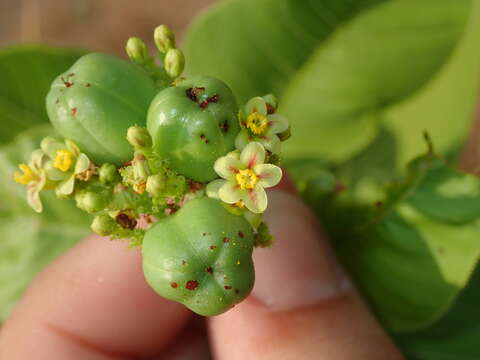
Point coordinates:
pixel 96 101
pixel 194 124
pixel 200 257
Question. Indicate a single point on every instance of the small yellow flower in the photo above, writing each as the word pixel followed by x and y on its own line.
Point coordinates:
pixel 260 123
pixel 246 179
pixel 257 123
pixel 63 160
pixel 27 175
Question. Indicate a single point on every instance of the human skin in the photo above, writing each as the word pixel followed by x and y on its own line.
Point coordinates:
pixel 93 303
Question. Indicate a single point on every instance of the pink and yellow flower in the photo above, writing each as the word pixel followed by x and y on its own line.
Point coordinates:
pixel 34 177
pixel 244 178
pixel 261 124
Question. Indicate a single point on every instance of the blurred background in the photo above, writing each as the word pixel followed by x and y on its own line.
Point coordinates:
pixel 100 25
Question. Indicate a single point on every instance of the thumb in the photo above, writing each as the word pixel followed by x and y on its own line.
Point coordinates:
pixel 303 306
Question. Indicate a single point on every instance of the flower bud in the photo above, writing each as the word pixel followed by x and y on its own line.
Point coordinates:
pixel 137 50
pixel 164 38
pixel 92 202
pixel 107 173
pixel 272 103
pixel 174 62
pixel 141 170
pixel 103 225
pixel 156 184
pixel 139 137
pixel 285 135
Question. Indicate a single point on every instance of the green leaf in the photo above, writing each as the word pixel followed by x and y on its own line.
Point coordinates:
pixel 455 336
pixel 445 106
pixel 26 72
pixel 29 241
pixel 407 250
pixel 333 80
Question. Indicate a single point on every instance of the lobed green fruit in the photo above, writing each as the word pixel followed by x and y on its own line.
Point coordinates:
pixel 192 127
pixel 200 257
pixel 96 101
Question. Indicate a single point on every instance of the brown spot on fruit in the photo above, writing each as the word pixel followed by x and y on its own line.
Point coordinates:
pixel 212 247
pixel 191 284
pixel 237 291
pixel 224 126
pixel 241 234
pixel 226 239
pixel 213 99
pixel 209 270
pixel 174 285
pixel 67 83
pixel 88 84
pixel 74 111
pixel 227 287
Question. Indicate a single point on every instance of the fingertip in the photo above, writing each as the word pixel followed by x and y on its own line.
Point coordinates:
pixel 96 293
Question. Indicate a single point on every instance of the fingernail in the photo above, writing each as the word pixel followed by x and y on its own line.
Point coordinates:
pixel 299 270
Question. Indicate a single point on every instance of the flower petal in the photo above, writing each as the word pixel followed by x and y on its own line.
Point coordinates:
pixel 272 143
pixel 242 140
pixel 269 175
pixel 53 173
pixel 213 188
pixel 252 155
pixel 227 166
pixel 37 160
pixel 50 146
pixel 33 193
pixel 256 200
pixel 230 192
pixel 277 123
pixel 256 104
pixel 66 187
pixel 82 164
pixel 72 147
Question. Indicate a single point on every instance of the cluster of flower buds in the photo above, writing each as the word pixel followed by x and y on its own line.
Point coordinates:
pixel 173 59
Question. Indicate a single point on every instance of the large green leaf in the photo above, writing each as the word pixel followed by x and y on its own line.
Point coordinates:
pixel 336 65
pixel 26 72
pixel 408 251
pixel 455 337
pixel 445 106
pixel 29 241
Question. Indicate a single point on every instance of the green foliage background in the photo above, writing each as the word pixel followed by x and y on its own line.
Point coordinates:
pixel 360 82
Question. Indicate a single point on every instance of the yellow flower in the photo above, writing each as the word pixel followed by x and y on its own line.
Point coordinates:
pixel 27 175
pixel 261 124
pixel 257 123
pixel 63 160
pixel 244 178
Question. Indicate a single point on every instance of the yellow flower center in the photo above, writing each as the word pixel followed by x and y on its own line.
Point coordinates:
pixel 63 160
pixel 240 204
pixel 257 123
pixel 247 179
pixel 27 175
